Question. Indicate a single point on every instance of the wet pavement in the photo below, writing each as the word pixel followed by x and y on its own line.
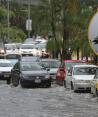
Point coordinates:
pixel 45 102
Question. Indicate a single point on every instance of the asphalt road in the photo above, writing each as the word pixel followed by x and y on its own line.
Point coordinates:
pixel 45 102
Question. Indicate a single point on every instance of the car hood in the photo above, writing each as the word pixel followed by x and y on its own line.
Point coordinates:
pixel 5 69
pixel 83 77
pixel 36 73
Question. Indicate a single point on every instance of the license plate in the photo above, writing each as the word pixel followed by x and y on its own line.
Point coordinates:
pixel 37 81
pixel 6 75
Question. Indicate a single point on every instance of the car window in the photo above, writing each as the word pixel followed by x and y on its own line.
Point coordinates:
pixel 70 64
pixel 84 71
pixel 26 66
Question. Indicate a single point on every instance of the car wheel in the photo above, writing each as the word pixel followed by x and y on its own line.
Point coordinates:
pixel 72 87
pixel 64 83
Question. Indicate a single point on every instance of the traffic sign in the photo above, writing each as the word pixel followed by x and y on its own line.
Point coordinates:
pixel 29 25
pixel 93 33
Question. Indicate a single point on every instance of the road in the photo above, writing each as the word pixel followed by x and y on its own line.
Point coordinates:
pixel 45 102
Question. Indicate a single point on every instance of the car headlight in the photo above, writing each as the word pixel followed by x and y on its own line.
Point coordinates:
pixel 47 76
pixel 2 51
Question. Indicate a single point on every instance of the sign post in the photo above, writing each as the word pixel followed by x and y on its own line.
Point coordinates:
pixel 93 33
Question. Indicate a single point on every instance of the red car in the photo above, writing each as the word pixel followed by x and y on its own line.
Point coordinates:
pixel 64 67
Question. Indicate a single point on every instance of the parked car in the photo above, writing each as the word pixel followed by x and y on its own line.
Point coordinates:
pixel 30 74
pixel 94 84
pixel 52 65
pixel 5 70
pixel 63 69
pixel 80 77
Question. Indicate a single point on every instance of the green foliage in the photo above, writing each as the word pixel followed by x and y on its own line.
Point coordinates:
pixel 3 13
pixel 16 34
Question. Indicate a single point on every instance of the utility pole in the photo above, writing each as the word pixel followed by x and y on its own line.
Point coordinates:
pixel 29 21
pixel 8 17
pixel 29 12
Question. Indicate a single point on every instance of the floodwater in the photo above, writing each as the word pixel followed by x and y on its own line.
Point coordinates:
pixel 45 102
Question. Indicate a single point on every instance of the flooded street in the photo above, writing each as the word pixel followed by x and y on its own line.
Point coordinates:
pixel 45 102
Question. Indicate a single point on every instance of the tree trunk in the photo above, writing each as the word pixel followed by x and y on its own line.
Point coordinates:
pixel 78 53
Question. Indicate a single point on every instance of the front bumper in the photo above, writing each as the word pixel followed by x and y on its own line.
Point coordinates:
pixel 82 86
pixel 31 83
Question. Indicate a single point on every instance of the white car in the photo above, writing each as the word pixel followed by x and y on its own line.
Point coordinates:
pixel 94 85
pixel 5 70
pixel 28 49
pixel 80 76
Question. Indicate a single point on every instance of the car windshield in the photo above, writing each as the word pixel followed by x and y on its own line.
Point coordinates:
pixel 12 56
pixel 50 64
pixel 28 66
pixel 84 71
pixel 6 65
pixel 27 47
